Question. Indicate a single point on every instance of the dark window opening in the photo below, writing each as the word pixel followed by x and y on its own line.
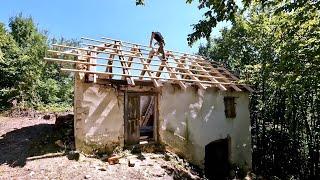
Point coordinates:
pixel 230 107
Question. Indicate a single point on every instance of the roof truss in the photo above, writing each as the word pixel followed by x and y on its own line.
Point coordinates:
pixel 114 59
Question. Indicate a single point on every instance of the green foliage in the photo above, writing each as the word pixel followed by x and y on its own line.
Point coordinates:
pixel 278 53
pixel 26 77
pixel 225 10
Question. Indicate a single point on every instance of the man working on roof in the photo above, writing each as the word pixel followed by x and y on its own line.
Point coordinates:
pixel 160 41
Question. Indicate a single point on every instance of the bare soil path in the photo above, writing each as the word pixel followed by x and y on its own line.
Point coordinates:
pixel 28 151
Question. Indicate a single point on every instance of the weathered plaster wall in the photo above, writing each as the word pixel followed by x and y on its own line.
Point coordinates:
pixel 99 123
pixel 190 120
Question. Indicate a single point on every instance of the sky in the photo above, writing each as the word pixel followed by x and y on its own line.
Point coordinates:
pixel 117 19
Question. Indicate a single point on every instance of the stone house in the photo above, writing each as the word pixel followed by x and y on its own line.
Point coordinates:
pixel 126 94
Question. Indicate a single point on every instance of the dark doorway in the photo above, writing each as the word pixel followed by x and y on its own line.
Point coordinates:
pixel 147 110
pixel 140 117
pixel 217 159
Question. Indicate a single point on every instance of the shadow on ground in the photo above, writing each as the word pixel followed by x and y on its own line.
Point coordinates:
pixel 17 145
pixel 40 139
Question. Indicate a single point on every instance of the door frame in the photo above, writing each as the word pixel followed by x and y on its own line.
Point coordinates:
pixel 156 113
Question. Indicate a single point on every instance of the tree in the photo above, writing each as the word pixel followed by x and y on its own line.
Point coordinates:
pixel 279 55
pixel 32 46
pixel 26 77
pixel 225 10
pixel 9 51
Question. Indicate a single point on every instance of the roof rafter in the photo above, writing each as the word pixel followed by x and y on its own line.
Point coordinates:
pixel 136 60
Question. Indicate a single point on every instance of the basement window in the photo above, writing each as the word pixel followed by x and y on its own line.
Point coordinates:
pixel 230 107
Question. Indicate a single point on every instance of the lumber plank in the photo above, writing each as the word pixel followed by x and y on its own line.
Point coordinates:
pixel 129 78
pixel 147 69
pixel 190 74
pixel 221 87
pixel 150 56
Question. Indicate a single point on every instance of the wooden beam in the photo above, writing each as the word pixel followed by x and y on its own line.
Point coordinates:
pixel 147 69
pixel 172 73
pixel 234 77
pixel 224 78
pixel 81 61
pixel 92 60
pixel 150 56
pixel 147 47
pixel 161 67
pixel 129 78
pixel 118 74
pixel 125 61
pixel 221 87
pixel 110 61
pixel 190 74
pixel 105 52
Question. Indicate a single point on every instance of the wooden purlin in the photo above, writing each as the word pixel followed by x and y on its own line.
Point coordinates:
pixel 225 79
pixel 172 74
pixel 236 78
pixel 174 79
pixel 84 49
pixel 129 79
pixel 121 67
pixel 80 66
pixel 185 69
pixel 146 67
pixel 148 59
pixel 161 67
pixel 190 74
pixel 150 56
pixel 221 87
pixel 110 61
pixel 92 60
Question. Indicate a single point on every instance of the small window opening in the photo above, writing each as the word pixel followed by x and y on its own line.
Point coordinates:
pixel 230 107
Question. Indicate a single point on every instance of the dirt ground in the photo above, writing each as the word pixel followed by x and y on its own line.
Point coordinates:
pixel 28 151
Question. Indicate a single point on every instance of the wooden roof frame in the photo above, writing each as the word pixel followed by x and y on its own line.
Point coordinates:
pixel 182 68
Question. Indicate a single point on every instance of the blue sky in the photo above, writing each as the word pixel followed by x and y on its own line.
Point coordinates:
pixel 118 19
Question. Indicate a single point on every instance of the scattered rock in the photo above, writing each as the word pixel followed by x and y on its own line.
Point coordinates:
pixel 113 160
pixel 87 176
pixel 102 169
pixel 131 163
pixel 73 155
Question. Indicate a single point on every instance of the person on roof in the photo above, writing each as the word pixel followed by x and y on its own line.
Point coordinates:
pixel 160 41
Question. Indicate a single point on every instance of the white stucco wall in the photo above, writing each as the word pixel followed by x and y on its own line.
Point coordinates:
pixel 99 123
pixel 191 119
pixel 188 120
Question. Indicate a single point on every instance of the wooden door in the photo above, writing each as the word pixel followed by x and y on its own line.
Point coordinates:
pixel 132 113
